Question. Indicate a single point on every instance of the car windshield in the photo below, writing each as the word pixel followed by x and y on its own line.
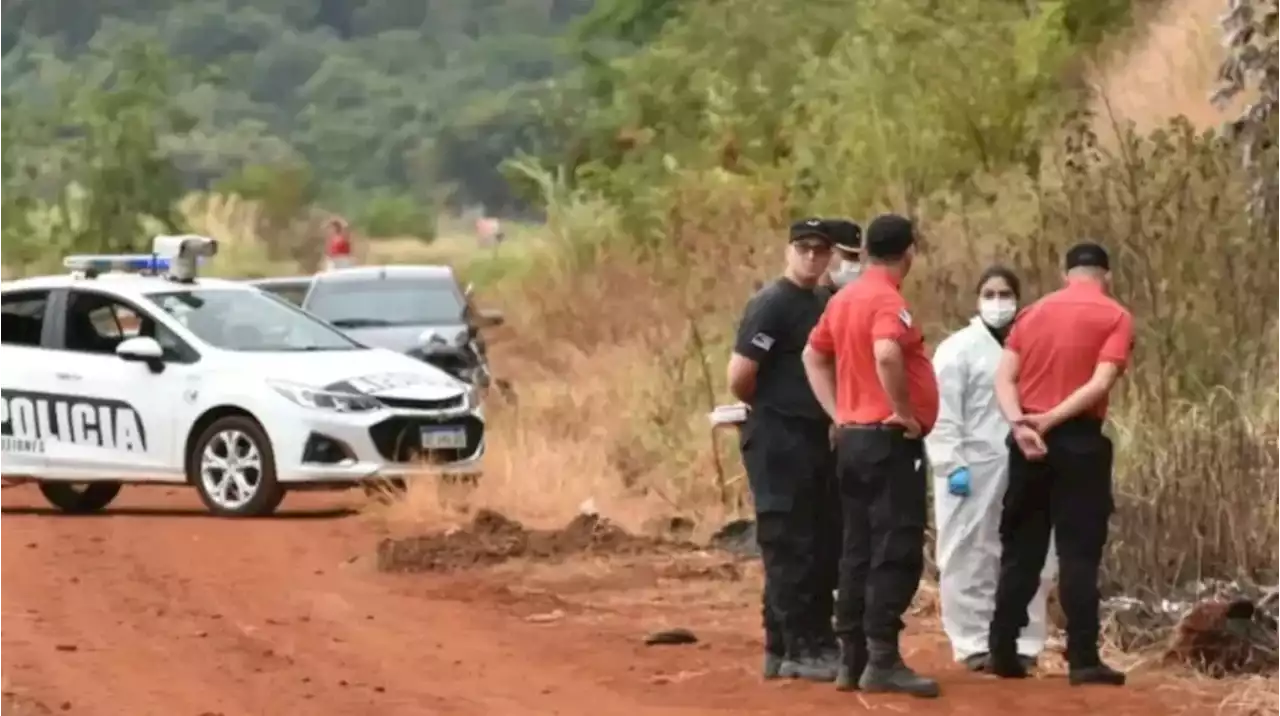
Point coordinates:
pixel 392 301
pixel 249 320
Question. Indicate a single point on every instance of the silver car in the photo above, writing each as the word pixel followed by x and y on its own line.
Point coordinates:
pixel 417 310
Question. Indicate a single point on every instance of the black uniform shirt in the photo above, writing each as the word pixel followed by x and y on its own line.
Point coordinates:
pixel 773 333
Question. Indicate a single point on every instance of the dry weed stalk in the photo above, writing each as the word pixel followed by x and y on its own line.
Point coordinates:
pixel 1257 696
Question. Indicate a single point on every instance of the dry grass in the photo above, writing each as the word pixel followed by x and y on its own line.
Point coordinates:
pixel 1165 68
pixel 1255 696
pixel 562 446
pixel 617 355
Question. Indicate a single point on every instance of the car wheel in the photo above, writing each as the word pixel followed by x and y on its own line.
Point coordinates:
pixel 80 497
pixel 234 469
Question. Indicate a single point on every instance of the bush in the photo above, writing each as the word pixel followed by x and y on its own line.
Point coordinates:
pixel 385 214
pixel 1195 419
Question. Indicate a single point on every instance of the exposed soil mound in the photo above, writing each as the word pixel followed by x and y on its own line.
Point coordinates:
pixel 492 538
pixel 1220 638
pixel 1216 627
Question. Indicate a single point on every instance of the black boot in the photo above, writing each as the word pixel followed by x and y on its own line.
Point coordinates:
pixel 1084 666
pixel 805 660
pixel 886 673
pixel 1003 660
pixel 1098 674
pixel 853 661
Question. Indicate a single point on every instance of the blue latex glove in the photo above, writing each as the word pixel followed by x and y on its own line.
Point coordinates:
pixel 958 482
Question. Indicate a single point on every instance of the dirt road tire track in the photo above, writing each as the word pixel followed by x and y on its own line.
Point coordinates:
pixel 156 608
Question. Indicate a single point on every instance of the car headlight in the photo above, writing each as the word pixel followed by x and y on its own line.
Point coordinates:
pixel 309 397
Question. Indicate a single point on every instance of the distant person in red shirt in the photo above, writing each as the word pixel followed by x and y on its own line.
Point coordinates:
pixel 489 231
pixel 337 249
pixel 867 364
pixel 1060 361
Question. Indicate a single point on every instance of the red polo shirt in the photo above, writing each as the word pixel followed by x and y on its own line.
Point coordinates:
pixel 858 316
pixel 1062 338
pixel 338 245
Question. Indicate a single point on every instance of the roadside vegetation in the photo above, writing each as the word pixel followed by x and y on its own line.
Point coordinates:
pixel 1008 130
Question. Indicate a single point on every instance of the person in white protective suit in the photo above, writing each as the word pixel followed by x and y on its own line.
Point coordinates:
pixel 969 456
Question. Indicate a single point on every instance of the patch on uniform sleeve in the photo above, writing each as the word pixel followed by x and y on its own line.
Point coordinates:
pixel 906 317
pixel 762 341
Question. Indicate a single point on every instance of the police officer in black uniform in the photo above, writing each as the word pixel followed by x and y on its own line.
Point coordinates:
pixel 786 447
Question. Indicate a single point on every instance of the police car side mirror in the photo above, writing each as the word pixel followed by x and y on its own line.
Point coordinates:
pixel 142 349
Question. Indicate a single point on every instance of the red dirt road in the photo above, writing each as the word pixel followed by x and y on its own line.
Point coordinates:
pixel 154 608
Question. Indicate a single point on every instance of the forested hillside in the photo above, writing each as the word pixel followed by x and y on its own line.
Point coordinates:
pixel 413 98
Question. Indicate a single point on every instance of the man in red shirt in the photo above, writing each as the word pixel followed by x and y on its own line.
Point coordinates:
pixel 868 368
pixel 1061 359
pixel 337 250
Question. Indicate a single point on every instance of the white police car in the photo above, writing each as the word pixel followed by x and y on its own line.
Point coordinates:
pixel 131 370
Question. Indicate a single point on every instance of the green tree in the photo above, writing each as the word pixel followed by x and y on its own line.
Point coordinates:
pixel 284 191
pixel 116 155
pixel 17 198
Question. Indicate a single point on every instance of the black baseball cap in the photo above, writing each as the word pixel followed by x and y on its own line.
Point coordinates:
pixel 889 236
pixel 846 235
pixel 811 228
pixel 1088 254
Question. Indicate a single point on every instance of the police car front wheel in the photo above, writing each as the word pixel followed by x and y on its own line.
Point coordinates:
pixel 234 468
pixel 80 498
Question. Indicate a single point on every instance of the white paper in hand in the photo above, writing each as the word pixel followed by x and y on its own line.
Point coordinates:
pixel 734 414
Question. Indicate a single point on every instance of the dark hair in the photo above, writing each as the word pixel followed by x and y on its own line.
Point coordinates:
pixel 998 271
pixel 1088 254
pixel 888 237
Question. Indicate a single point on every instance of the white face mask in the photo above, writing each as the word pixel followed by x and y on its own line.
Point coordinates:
pixel 997 312
pixel 848 272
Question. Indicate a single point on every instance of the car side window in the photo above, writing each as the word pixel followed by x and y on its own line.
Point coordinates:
pixel 98 324
pixel 293 294
pixel 22 317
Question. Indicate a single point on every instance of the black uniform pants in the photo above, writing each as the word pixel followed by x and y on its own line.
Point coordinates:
pixel 791 471
pixel 1068 492
pixel 884 496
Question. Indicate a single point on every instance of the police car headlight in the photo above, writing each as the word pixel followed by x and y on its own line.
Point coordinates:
pixel 309 397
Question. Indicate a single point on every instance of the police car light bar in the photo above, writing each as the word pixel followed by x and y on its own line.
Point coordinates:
pixel 176 256
pixel 127 263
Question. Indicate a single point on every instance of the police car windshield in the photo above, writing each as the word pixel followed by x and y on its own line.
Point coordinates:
pixel 387 301
pixel 249 321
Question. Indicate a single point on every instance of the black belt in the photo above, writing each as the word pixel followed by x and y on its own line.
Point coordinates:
pixel 1079 426
pixel 880 427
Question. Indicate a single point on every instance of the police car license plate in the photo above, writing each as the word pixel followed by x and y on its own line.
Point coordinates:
pixel 442 438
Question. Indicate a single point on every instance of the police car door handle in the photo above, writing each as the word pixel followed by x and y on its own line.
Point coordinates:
pixel 66 376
